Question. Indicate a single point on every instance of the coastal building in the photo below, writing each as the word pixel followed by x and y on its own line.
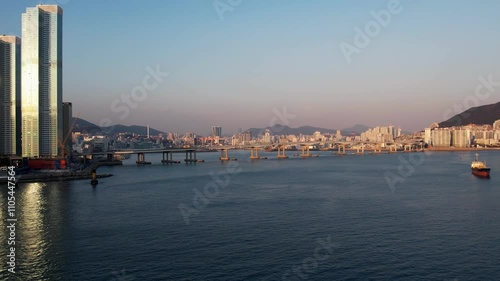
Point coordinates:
pixel 441 137
pixel 496 125
pixel 267 136
pixel 67 122
pixel 460 138
pixel 248 136
pixel 427 136
pixel 42 107
pixel 10 95
pixel 217 131
pixel 380 134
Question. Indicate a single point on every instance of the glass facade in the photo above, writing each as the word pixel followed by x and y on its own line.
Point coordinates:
pixel 10 95
pixel 42 126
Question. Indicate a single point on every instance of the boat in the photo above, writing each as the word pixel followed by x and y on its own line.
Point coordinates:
pixel 479 168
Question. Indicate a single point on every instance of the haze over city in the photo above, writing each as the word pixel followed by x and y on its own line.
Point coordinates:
pixel 233 70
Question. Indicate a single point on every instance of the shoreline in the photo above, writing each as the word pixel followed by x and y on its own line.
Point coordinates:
pixel 461 149
pixel 53 177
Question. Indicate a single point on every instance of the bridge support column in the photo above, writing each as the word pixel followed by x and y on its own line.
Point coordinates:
pixel 192 157
pixel 254 153
pixel 393 148
pixel 281 152
pixel 141 160
pixel 341 149
pixel 224 155
pixel 361 150
pixel 377 149
pixel 407 148
pixel 305 151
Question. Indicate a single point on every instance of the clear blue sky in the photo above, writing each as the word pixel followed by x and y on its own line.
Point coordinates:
pixel 268 54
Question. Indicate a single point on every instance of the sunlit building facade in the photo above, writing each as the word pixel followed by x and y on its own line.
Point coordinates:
pixel 10 95
pixel 42 116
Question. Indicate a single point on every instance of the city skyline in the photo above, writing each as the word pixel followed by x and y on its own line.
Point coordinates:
pixel 409 74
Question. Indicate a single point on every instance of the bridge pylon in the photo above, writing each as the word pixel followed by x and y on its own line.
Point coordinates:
pixel 341 149
pixel 281 152
pixel 254 153
pixel 224 155
pixel 305 151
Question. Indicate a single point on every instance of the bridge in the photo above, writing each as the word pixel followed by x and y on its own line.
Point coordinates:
pixel 141 155
pixel 359 146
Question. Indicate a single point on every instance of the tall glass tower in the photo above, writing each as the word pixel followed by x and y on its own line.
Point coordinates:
pixel 10 95
pixel 42 120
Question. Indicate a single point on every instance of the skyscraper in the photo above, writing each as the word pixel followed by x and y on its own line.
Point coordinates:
pixel 10 95
pixel 42 120
pixel 67 123
pixel 217 131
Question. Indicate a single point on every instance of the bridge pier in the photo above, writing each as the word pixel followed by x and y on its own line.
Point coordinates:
pixel 192 157
pixel 141 160
pixel 393 147
pixel 224 155
pixel 281 152
pixel 305 151
pixel 407 148
pixel 341 149
pixel 254 153
pixel 361 150
pixel 167 158
pixel 377 149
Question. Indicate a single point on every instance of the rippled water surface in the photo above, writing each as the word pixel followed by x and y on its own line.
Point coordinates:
pixel 326 218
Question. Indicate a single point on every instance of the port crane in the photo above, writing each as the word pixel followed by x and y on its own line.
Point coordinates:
pixel 61 144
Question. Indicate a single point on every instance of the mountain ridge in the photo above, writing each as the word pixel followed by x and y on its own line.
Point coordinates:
pixel 480 115
pixel 307 130
pixel 85 126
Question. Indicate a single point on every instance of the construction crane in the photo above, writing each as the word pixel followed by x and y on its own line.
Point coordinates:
pixel 62 144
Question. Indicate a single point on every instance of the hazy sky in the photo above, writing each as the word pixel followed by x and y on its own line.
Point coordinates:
pixel 262 55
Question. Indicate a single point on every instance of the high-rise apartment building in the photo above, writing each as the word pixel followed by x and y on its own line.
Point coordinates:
pixel 10 95
pixel 42 116
pixel 67 123
pixel 217 131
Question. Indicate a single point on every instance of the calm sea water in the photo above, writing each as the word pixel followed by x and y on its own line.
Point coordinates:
pixel 326 218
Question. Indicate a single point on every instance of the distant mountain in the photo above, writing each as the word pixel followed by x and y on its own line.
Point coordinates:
pixel 306 130
pixel 485 114
pixel 357 129
pixel 82 125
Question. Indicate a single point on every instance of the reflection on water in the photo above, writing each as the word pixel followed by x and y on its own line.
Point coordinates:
pixel 39 230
